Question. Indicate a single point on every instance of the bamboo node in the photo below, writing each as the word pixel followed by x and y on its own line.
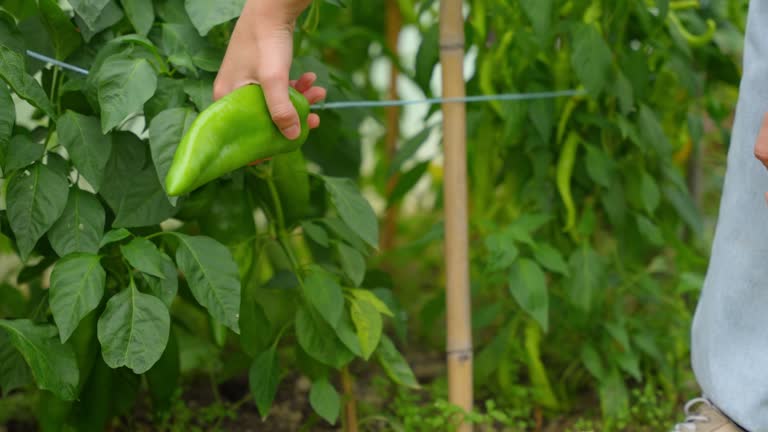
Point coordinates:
pixel 464 354
pixel 452 46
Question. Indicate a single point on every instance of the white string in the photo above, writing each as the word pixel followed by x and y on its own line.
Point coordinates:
pixel 384 103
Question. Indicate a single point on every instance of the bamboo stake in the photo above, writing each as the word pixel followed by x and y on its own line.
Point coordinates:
pixel 350 402
pixel 458 312
pixel 394 25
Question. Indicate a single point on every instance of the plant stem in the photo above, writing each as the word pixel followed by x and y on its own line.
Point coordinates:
pixel 282 233
pixel 350 403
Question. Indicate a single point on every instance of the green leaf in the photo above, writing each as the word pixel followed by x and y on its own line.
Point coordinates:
pixel 682 202
pixel 263 377
pixel 394 364
pixel 406 182
pixel 319 340
pixel 10 34
pixel 52 363
pixel 144 256
pixel 586 275
pixel 353 209
pixel 650 193
pixel 21 152
pixel 591 58
pixel 63 34
pixel 591 359
pixel 132 189
pixel 325 294
pixel 175 45
pixel 164 288
pixel 200 92
pixel 408 149
pixel 352 262
pixel 614 396
pixel 651 131
pixel 169 94
pixel 109 16
pixel 165 133
pixel 550 258
pixel 14 304
pixel 141 14
pixel 502 251
pixel 212 276
pixel 77 286
pixel 88 148
pixel 255 327
pixel 89 10
pixel 369 325
pixel 36 199
pixel 649 230
pixel 113 236
pixel 206 15
pixel 540 14
pixel 528 286
pixel 12 71
pixel 599 166
pixel 81 225
pixel 209 58
pixel 370 297
pixel 427 57
pixel 325 400
pixel 133 330
pixel 341 231
pixel 21 9
pixel 316 232
pixel 542 115
pixel 624 93
pixel 347 333
pixel 7 118
pixel 123 86
pixel 14 372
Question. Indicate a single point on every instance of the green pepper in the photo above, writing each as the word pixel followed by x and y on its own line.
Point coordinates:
pixel 229 217
pixel 289 173
pixel 232 132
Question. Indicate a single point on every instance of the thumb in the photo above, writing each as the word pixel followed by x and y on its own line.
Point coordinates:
pixel 281 109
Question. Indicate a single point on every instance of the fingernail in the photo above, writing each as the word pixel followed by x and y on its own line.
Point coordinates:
pixel 292 132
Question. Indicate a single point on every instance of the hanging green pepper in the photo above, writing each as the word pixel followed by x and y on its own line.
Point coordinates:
pixel 289 173
pixel 232 132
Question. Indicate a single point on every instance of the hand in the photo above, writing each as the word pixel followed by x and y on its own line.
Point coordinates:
pixel 761 145
pixel 260 51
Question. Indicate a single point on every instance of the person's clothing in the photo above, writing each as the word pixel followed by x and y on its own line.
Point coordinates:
pixel 702 416
pixel 730 328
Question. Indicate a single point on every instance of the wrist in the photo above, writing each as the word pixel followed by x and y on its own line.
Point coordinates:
pixel 279 11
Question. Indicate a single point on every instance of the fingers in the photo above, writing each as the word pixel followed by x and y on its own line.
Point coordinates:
pixel 281 109
pixel 305 82
pixel 761 145
pixel 315 95
pixel 313 121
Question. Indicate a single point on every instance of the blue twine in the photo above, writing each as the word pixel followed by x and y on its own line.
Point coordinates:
pixel 55 62
pixel 379 104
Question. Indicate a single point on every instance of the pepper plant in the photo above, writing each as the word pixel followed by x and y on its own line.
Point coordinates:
pixel 587 242
pixel 123 285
